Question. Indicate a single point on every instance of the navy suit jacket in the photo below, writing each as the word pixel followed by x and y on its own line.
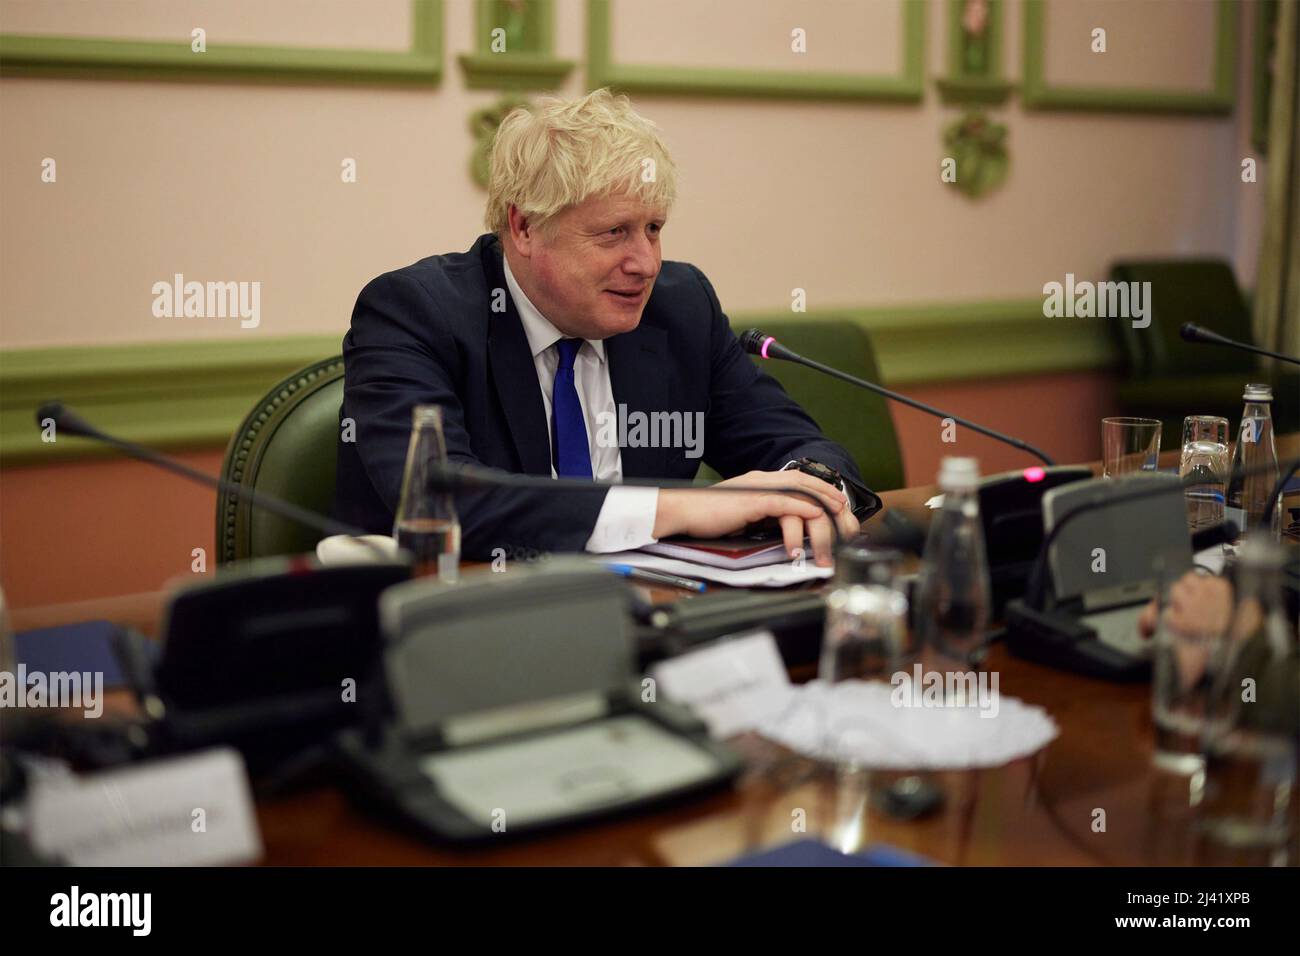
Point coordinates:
pixel 426 334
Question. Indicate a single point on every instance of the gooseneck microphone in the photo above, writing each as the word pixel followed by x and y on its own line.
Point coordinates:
pixel 68 422
pixel 766 346
pixel 1191 332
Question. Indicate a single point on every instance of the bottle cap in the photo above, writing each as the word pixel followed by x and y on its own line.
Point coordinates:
pixel 1258 393
pixel 959 474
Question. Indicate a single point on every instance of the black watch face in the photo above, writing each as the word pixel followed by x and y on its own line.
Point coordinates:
pixel 818 470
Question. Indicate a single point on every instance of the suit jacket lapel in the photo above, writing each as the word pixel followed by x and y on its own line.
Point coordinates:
pixel 642 382
pixel 514 375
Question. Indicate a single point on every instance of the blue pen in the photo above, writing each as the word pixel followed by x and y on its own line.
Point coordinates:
pixel 656 577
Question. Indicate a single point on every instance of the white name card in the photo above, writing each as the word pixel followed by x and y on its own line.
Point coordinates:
pixel 733 685
pixel 195 810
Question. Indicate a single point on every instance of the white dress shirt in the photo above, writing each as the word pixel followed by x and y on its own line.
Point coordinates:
pixel 627 518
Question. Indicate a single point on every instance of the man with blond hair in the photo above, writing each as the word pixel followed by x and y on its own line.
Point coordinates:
pixel 561 320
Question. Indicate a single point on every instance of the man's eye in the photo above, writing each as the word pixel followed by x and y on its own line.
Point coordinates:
pixel 615 231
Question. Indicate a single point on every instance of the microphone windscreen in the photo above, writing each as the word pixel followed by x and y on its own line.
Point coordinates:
pixel 65 420
pixel 751 340
pixel 1189 332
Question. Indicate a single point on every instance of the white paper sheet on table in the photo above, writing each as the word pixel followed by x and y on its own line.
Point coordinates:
pixel 769 576
pixel 860 721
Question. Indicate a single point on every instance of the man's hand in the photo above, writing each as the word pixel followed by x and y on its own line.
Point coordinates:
pixel 712 514
pixel 1198 604
pixel 1198 612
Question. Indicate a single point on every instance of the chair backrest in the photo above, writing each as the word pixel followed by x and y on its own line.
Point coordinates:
pixel 286 447
pixel 858 420
pixel 1203 291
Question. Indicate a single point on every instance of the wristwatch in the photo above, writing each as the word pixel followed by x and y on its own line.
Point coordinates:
pixel 867 501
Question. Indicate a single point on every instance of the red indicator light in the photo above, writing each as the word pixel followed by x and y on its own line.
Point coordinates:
pixel 1035 474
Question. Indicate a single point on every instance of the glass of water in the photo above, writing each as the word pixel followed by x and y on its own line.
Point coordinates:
pixel 1204 469
pixel 1247 811
pixel 865 638
pixel 866 634
pixel 1187 654
pixel 1129 445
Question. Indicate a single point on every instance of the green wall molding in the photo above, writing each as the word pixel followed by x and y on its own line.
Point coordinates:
pixel 1038 94
pixel 974 65
pixel 56 56
pixel 528 62
pixel 192 394
pixel 907 86
pixel 1261 93
pixel 167 395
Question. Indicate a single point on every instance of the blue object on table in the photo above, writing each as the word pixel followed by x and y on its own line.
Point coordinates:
pixel 71 648
pixel 816 853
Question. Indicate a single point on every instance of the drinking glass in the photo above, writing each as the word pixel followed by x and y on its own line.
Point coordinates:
pixel 1129 445
pixel 866 633
pixel 1248 805
pixel 1204 469
pixel 865 638
pixel 1187 654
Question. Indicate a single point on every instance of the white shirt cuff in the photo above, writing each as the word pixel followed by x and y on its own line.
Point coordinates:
pixel 626 520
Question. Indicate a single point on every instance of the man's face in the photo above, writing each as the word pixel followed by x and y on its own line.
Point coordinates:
pixel 591 270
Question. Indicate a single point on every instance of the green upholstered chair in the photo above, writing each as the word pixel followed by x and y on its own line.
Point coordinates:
pixel 856 419
pixel 285 447
pixel 1168 378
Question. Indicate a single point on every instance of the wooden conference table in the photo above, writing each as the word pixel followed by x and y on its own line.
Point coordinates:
pixel 1040 810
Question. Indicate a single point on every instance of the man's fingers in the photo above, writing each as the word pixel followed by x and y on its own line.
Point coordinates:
pixel 828 493
pixel 833 497
pixel 776 505
pixel 792 534
pixel 849 526
pixel 819 532
pixel 1147 620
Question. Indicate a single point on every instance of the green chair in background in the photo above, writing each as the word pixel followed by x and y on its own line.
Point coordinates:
pixel 858 420
pixel 1168 378
pixel 284 447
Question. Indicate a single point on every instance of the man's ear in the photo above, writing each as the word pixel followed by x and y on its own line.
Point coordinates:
pixel 522 233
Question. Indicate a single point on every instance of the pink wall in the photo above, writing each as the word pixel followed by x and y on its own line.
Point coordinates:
pixel 83 530
pixel 1061 414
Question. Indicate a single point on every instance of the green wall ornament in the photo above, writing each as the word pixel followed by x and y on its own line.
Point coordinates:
pixel 483 124
pixel 979 147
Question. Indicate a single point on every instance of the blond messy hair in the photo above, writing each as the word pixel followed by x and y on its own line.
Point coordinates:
pixel 554 155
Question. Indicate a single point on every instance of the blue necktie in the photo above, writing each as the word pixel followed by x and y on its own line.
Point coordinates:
pixel 569 451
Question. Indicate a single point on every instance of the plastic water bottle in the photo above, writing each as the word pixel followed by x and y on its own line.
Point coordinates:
pixel 426 525
pixel 954 603
pixel 1254 471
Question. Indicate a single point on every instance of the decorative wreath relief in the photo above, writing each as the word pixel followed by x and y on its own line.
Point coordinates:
pixel 483 124
pixel 979 147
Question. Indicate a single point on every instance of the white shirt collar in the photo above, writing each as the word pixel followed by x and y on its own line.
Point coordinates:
pixel 541 334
